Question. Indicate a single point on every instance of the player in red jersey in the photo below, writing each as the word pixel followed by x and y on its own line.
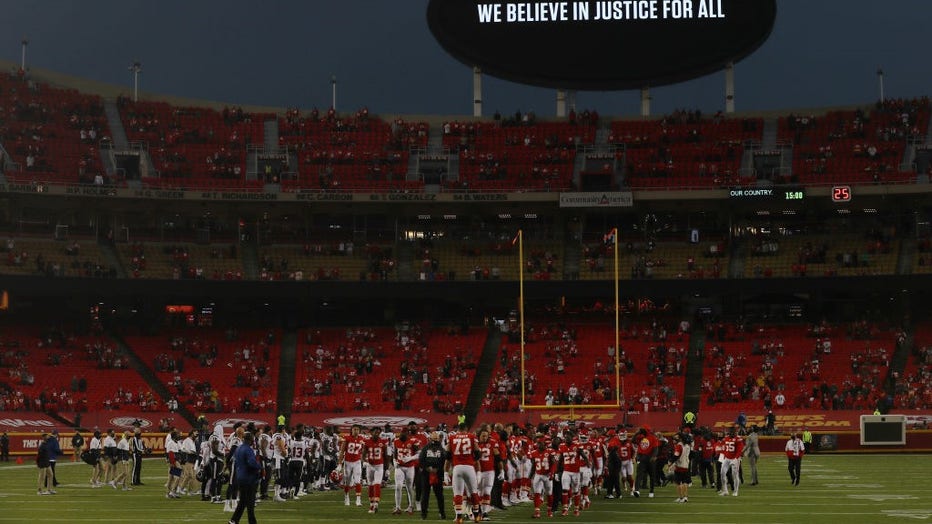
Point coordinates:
pixel 598 460
pixel 732 450
pixel 586 448
pixel 375 453
pixel 626 452
pixel 488 453
pixel 351 462
pixel 464 454
pixel 545 467
pixel 518 467
pixel 647 447
pixel 572 459
pixel 405 450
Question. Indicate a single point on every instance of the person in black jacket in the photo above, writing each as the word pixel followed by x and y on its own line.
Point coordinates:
pixel 138 449
pixel 433 460
pixel 248 470
pixel 45 467
pixel 77 444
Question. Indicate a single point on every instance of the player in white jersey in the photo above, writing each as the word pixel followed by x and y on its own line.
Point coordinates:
pixel 233 442
pixel 314 459
pixel 96 450
pixel 297 461
pixel 109 457
pixel 264 455
pixel 173 456
pixel 188 458
pixel 215 462
pixel 280 462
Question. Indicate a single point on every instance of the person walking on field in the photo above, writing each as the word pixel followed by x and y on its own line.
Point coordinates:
pixel 752 452
pixel 794 454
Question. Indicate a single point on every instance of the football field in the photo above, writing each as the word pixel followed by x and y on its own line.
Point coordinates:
pixel 835 488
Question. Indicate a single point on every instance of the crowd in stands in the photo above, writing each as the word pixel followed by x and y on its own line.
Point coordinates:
pixel 210 374
pixel 781 368
pixel 407 367
pixel 567 365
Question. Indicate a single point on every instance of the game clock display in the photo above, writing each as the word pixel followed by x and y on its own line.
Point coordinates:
pixel 779 194
pixel 841 194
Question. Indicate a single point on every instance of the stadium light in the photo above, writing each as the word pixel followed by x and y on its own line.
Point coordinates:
pixel 25 43
pixel 136 68
pixel 880 80
pixel 333 86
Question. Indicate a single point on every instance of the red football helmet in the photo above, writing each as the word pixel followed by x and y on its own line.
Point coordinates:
pixel 336 476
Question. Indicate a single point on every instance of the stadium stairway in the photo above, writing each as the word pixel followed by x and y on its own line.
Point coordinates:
pixel 286 371
pixel 149 376
pixel 271 134
pixel 769 137
pixel 899 361
pixel 117 133
pixel 480 384
pixel 249 256
pixel 906 257
pixel 111 258
pixel 692 390
pixel 737 258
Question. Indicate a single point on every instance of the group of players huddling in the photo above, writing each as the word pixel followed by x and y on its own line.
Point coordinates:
pixel 554 467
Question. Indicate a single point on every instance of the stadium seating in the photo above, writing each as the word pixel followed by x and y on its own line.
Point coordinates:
pixel 561 361
pixel 181 260
pixel 58 258
pixel 54 371
pixel 382 370
pixel 52 134
pixel 215 370
pixel 684 149
pixel 194 147
pixel 821 367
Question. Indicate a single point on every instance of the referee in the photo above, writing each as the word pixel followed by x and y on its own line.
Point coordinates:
pixel 138 449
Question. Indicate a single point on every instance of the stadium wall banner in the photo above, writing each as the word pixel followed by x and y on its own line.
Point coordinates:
pixel 608 199
pixel 599 44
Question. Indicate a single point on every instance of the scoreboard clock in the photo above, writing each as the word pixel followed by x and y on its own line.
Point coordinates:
pixel 841 194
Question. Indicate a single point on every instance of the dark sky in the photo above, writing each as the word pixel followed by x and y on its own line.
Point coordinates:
pixel 821 53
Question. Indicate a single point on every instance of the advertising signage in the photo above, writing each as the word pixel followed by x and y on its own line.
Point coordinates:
pixel 598 44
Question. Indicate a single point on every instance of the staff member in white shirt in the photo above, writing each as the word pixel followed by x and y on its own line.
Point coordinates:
pixel 794 453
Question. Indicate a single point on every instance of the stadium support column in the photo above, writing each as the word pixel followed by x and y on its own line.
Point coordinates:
pixel 476 91
pixel 333 94
pixel 571 100
pixel 645 101
pixel 561 103
pixel 730 87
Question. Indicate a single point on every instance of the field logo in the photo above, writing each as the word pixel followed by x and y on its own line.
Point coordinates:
pixel 129 422
pixel 23 423
pixel 229 422
pixel 376 420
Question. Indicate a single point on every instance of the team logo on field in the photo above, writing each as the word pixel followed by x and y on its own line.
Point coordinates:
pixel 229 422
pixel 373 420
pixel 128 422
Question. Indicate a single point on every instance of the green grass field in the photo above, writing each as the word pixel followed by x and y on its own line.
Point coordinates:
pixel 835 488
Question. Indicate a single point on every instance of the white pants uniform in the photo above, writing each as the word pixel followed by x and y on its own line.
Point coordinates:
pixel 731 465
pixel 404 480
pixel 486 481
pixel 352 473
pixel 585 476
pixel 374 473
pixel 465 481
pixel 627 468
pixel 570 481
pixel 542 485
